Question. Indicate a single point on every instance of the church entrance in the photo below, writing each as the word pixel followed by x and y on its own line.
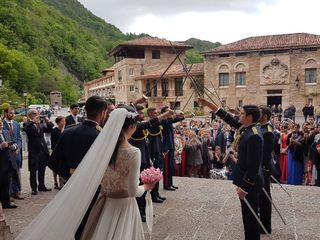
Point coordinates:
pixel 274 100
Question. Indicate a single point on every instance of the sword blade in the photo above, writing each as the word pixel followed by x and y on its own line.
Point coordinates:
pixel 273 204
pixel 274 179
pixel 256 217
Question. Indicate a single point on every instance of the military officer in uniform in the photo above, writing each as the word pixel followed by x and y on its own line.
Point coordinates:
pixel 168 149
pixel 155 150
pixel 139 140
pixel 268 146
pixel 247 175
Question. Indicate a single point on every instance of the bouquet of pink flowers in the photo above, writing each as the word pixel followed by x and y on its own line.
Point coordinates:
pixel 151 175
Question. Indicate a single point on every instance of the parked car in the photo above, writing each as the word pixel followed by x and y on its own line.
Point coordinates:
pixel 21 111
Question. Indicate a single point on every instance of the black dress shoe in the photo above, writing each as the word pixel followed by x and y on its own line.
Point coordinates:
pixel 9 205
pixel 44 189
pixel 18 196
pixel 34 192
pixel 162 198
pixel 174 187
pixel 170 188
pixel 157 200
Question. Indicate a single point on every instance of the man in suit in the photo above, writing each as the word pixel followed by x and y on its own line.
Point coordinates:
pixel 16 157
pixel 247 172
pixel 38 153
pixel 74 143
pixel 74 117
pixel 218 136
pixel 268 147
pixel 6 146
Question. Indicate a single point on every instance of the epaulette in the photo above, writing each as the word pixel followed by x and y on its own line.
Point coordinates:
pixel 254 130
pixel 99 128
pixel 269 128
pixel 72 125
pixel 237 138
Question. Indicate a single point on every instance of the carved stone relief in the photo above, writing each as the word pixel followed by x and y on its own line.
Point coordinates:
pixel 275 72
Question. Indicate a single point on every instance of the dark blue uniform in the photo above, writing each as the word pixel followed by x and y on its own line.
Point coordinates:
pixel 247 170
pixel 139 139
pixel 155 150
pixel 72 146
pixel 268 146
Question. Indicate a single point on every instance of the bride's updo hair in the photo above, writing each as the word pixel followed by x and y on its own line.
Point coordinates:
pixel 131 120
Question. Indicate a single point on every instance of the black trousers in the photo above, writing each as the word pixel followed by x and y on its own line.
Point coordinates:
pixel 265 206
pixel 251 225
pixel 158 163
pixel 4 186
pixel 169 169
pixel 37 172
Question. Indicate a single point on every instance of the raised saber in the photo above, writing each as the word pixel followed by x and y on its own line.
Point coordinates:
pixel 274 179
pixel 256 217
pixel 275 207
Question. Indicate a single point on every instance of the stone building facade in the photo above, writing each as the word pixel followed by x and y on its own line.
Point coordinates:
pixel 138 69
pixel 275 69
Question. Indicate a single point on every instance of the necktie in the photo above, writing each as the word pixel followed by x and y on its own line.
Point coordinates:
pixel 11 129
pixel 38 126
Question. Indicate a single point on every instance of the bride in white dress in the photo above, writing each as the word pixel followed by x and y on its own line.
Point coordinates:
pixel 115 214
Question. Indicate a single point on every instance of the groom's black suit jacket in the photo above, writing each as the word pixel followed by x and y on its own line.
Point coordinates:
pixel 72 147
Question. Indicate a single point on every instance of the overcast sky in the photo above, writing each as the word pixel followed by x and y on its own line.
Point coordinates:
pixel 214 20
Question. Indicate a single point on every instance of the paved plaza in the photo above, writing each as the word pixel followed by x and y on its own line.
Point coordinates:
pixel 201 209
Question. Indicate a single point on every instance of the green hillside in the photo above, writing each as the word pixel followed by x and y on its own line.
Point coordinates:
pixel 193 55
pixel 51 47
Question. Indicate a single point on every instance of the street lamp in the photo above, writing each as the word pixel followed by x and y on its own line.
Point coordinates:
pixel 25 102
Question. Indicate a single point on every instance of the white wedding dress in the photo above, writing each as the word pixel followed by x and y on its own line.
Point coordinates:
pixel 116 214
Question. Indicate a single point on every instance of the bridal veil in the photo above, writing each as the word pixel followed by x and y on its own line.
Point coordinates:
pixel 62 216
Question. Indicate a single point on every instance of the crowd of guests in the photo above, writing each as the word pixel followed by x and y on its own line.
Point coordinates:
pixel 203 146
pixel 35 137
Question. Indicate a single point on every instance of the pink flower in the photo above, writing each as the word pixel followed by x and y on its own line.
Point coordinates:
pixel 151 175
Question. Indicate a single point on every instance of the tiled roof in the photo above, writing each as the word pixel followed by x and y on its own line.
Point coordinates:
pixel 271 42
pixel 174 71
pixel 150 42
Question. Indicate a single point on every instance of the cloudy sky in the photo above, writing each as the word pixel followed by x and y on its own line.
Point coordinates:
pixel 214 20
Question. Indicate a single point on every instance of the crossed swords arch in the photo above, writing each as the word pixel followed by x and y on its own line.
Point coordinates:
pixel 197 87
